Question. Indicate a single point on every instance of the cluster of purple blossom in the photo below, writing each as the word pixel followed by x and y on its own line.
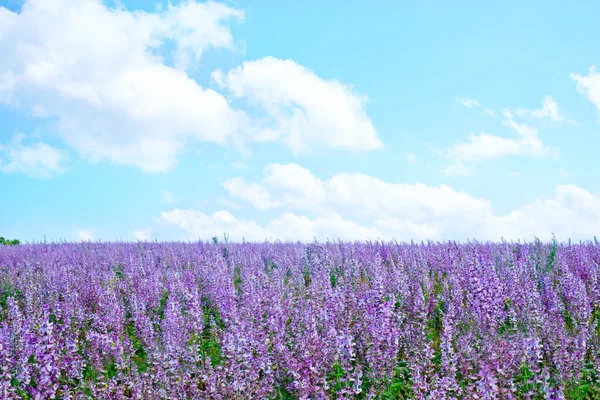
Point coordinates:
pixel 296 321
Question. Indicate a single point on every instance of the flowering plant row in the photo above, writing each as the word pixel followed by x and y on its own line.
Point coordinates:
pixel 287 321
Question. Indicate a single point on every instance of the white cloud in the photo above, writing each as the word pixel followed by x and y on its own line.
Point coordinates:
pixel 293 186
pixel 479 148
pixel 125 96
pixel 38 160
pixel 287 226
pixel 410 157
pixel 142 235
pixel 400 211
pixel 167 197
pixel 85 235
pixel 112 95
pixel 198 26
pixel 469 102
pixel 514 173
pixel 304 110
pixel 474 103
pixel 589 85
pixel 572 212
pixel 200 225
pixel 490 113
pixel 253 193
pixel 549 111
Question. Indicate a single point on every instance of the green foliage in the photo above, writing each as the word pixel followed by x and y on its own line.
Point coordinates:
pixel 529 385
pixel 588 386
pixel 306 269
pixel 438 288
pixel 336 380
pixel 433 332
pixel 161 307
pixel 159 313
pixel 281 389
pixel 287 277
pixel 20 392
pixel 400 386
pixel 270 265
pixel 110 370
pixel 119 271
pixel 306 275
pixel 397 304
pixel 508 325
pixel 207 341
pixel 226 254
pixel 208 347
pixel 140 357
pixel 8 242
pixel 596 319
pixel 211 313
pixel 569 322
pixel 7 290
pixel 336 273
pixel 237 278
pixel 551 255
pixel 333 277
pixel 89 374
pixel 225 240
pixel 434 325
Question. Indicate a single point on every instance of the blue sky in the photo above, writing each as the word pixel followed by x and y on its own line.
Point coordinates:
pixel 293 120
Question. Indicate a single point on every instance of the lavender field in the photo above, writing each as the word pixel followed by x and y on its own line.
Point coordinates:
pixel 286 321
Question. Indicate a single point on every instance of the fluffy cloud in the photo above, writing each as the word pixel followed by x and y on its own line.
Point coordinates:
pixel 85 235
pixel 572 212
pixel 251 192
pixel 38 160
pixel 101 74
pixel 395 211
pixel 293 186
pixel 142 234
pixel 115 84
pixel 469 102
pixel 304 110
pixel 479 148
pixel 288 226
pixel 589 85
pixel 411 211
pixel 474 103
pixel 548 111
